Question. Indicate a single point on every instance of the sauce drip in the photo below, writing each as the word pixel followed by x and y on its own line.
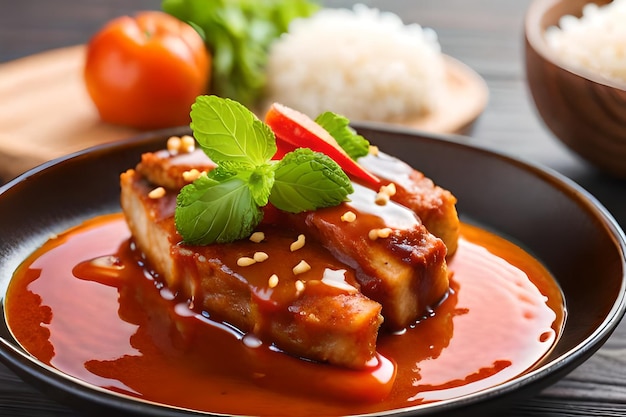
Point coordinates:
pixel 84 304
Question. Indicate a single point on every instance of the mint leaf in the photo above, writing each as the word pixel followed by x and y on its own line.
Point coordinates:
pixel 260 182
pixel 339 128
pixel 209 211
pixel 225 205
pixel 307 180
pixel 228 131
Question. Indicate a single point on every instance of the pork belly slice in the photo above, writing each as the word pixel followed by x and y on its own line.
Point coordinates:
pixel 398 262
pixel 406 272
pixel 319 314
pixel 167 170
pixel 435 206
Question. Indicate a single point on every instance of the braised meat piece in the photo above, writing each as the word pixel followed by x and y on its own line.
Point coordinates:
pixel 318 314
pixel 354 265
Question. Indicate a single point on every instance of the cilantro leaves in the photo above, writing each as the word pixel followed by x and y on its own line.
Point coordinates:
pixel 225 205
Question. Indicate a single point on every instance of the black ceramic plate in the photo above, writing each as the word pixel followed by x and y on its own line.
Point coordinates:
pixel 557 221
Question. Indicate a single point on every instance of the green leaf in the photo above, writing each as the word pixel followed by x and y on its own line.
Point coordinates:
pixel 209 211
pixel 229 132
pixel 307 180
pixel 224 205
pixel 239 34
pixel 260 183
pixel 339 128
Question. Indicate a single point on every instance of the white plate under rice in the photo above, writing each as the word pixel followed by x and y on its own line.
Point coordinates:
pixel 595 41
pixel 362 63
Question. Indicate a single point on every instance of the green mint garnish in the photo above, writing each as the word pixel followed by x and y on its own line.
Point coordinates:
pixel 210 211
pixel 339 128
pixel 230 133
pixel 225 205
pixel 306 180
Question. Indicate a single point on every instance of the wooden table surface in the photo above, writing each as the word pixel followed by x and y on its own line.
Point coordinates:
pixel 484 34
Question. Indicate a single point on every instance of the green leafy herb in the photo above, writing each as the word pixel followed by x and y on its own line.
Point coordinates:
pixel 306 180
pixel 339 128
pixel 228 132
pixel 225 205
pixel 209 211
pixel 239 33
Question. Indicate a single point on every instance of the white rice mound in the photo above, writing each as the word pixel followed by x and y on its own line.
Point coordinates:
pixel 595 41
pixel 362 63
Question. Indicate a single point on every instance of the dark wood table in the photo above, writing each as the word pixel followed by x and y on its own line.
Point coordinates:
pixel 487 35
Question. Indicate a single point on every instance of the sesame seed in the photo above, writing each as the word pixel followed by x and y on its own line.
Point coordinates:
pixel 173 145
pixel 348 217
pixel 191 175
pixel 384 193
pixel 299 286
pixel 245 261
pixel 185 251
pixel 257 237
pixel 384 233
pixel 301 268
pixel 373 234
pixel 272 282
pixel 313 318
pixel 298 244
pixel 381 199
pixel 260 256
pixel 187 144
pixel 373 150
pixel 157 193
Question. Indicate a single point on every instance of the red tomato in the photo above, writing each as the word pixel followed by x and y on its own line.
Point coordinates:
pixel 298 130
pixel 146 71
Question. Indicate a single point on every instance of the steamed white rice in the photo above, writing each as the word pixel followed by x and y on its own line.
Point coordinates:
pixel 595 41
pixel 360 62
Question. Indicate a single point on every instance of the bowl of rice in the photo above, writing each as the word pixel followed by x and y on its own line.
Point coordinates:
pixel 575 54
pixel 369 66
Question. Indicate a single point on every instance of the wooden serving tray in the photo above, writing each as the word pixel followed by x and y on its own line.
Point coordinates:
pixel 45 111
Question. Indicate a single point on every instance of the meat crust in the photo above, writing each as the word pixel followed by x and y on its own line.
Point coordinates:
pixel 398 276
pixel 322 321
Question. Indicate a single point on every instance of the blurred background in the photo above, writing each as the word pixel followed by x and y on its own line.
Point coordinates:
pixel 486 35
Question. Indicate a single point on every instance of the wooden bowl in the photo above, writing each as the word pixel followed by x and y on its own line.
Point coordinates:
pixel 584 110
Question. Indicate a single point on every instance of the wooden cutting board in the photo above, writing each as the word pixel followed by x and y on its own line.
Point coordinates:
pixel 45 111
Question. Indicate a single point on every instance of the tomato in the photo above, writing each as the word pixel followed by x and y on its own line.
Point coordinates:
pixel 146 71
pixel 297 130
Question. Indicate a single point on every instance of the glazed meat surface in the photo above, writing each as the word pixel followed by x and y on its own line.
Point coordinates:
pixel 324 317
pixel 405 271
pixel 329 313
pixel 435 206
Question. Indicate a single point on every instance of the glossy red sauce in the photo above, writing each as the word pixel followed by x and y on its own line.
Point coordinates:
pixel 84 305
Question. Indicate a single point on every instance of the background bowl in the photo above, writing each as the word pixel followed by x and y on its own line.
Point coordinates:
pixel 585 111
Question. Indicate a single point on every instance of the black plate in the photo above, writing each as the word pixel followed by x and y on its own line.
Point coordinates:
pixel 557 221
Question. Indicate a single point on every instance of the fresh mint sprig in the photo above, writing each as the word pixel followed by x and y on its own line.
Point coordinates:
pixel 225 205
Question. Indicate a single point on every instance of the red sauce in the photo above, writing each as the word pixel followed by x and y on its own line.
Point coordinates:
pixel 84 305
